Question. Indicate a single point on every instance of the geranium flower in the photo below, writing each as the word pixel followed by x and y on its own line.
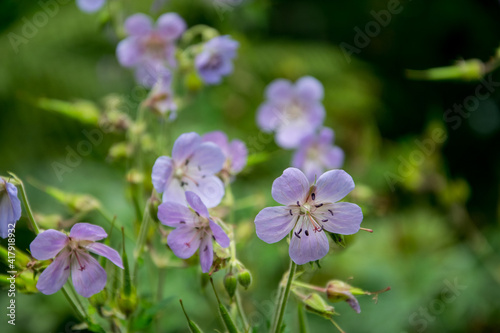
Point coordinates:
pixel 160 99
pixel 236 152
pixel 316 153
pixel 194 229
pixel 292 111
pixel 71 255
pixel 192 167
pixel 10 207
pixel 150 50
pixel 90 6
pixel 309 211
pixel 215 60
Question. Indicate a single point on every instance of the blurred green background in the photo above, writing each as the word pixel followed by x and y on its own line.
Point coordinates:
pixel 437 224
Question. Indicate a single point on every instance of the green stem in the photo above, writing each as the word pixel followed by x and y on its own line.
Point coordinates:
pixel 142 236
pixel 241 312
pixel 283 299
pixel 79 312
pixel 24 197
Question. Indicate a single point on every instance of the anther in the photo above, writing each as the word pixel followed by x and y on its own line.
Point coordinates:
pixel 313 196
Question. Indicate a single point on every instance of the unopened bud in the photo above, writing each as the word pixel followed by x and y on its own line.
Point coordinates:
pixel 318 305
pixel 245 278
pixel 230 284
pixel 99 299
pixel 127 303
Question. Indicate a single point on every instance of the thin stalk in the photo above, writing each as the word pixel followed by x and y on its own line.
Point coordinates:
pixel 142 236
pixel 283 299
pixel 31 219
pixel 241 312
pixel 79 312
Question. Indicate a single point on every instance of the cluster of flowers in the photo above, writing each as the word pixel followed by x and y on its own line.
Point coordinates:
pixel 295 113
pixel 191 181
pixel 150 49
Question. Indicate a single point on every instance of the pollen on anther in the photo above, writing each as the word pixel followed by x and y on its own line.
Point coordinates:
pixel 317 206
pixel 291 212
pixel 330 211
pixel 306 232
pixel 313 196
pixel 326 220
pixel 182 222
pixel 298 203
pixel 206 248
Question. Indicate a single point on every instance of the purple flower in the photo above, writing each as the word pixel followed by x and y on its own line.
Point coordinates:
pixel 150 50
pixel 71 255
pixel 192 167
pixel 90 6
pixel 308 211
pixel 316 153
pixel 292 111
pixel 236 152
pixel 194 229
pixel 10 207
pixel 160 99
pixel 215 60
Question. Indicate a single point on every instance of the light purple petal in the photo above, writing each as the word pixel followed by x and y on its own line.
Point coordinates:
pixel 107 252
pixel 162 173
pixel 184 146
pixel 313 170
pixel 352 301
pixel 129 52
pixel 210 190
pixel 149 71
pixel 333 158
pixel 326 136
pixel 340 218
pixel 269 117
pixel 309 89
pixel 272 224
pixel 307 244
pixel 175 192
pixel 87 275
pixel 195 202
pixel 174 214
pixel 90 6
pixel 206 254
pixel 333 185
pixel 291 134
pixel 220 236
pixel 299 157
pixel 219 138
pixel 10 207
pixel 280 91
pixel 290 187
pixel 87 231
pixel 171 26
pixel 238 154
pixel 206 159
pixel 184 241
pixel 48 244
pixel 138 25
pixel 315 114
pixel 55 275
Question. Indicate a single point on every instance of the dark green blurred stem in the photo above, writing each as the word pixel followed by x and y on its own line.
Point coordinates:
pixel 143 232
pixel 79 312
pixel 302 318
pixel 283 299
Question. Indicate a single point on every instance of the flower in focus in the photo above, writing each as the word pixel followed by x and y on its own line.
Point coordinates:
pixel 236 152
pixel 150 49
pixel 316 153
pixel 309 210
pixel 71 255
pixel 194 229
pixel 90 6
pixel 10 207
pixel 160 99
pixel 215 60
pixel 192 167
pixel 293 111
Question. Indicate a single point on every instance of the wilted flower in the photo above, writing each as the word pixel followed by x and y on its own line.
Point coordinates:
pixel 192 167
pixel 309 210
pixel 90 6
pixel 161 99
pixel 194 229
pixel 10 207
pixel 316 153
pixel 236 152
pixel 149 49
pixel 215 60
pixel 292 111
pixel 71 255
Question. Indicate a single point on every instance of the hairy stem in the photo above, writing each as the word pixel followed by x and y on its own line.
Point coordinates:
pixel 283 299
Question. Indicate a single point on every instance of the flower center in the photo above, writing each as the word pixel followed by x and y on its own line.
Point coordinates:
pixel 155 46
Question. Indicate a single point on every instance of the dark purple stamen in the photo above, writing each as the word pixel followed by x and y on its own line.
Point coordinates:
pixel 330 211
pixel 206 248
pixel 296 234
pixel 313 196
pixel 182 222
pixel 306 232
pixel 291 212
pixel 317 206
pixel 324 220
pixel 298 203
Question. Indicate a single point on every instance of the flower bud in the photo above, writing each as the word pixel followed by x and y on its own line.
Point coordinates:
pixel 230 284
pixel 99 299
pixel 245 278
pixel 337 291
pixel 127 303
